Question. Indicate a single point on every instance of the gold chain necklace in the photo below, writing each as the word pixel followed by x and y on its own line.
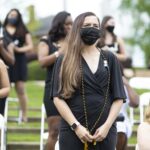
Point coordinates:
pixel 84 100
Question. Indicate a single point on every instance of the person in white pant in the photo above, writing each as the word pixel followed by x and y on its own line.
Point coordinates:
pixel 124 125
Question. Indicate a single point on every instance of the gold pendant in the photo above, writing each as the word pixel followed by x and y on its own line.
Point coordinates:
pixel 85 146
pixel 94 143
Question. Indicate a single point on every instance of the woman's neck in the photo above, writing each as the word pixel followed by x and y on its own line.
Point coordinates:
pixel 11 29
pixel 89 49
pixel 108 38
pixel 10 26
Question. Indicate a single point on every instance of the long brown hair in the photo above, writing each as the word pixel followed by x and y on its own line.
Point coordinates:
pixel 70 68
pixel 104 21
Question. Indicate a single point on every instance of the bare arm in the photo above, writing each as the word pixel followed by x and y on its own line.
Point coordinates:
pixel 8 55
pixel 114 111
pixel 43 55
pixel 122 55
pixel 64 110
pixel 67 114
pixel 133 96
pixel 4 81
pixel 102 131
pixel 28 45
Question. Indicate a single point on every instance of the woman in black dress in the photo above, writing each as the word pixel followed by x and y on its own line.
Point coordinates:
pixel 87 89
pixel 50 47
pixel 15 30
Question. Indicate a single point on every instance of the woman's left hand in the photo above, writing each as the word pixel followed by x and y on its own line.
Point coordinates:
pixel 17 49
pixel 101 133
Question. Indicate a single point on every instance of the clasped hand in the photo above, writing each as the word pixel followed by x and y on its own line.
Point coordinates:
pixel 99 135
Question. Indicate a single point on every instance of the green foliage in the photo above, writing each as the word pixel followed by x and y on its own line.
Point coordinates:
pixel 140 11
pixel 33 23
pixel 35 72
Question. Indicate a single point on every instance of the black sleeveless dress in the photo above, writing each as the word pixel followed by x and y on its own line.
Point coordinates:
pixel 49 105
pixel 18 72
pixel 115 48
pixel 2 105
pixel 95 89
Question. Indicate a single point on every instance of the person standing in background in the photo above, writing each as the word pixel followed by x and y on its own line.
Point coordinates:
pixel 50 47
pixel 116 45
pixel 111 40
pixel 15 29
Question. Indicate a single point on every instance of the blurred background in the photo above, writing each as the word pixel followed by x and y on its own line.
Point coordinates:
pixel 132 19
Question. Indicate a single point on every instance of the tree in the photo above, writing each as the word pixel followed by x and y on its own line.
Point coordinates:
pixel 140 11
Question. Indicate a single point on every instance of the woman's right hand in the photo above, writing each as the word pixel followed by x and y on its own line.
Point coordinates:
pixel 60 51
pixel 83 134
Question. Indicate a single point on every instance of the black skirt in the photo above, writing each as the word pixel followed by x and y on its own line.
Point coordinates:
pixel 48 102
pixel 18 72
pixel 2 105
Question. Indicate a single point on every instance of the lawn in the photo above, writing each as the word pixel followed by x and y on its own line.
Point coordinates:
pixel 35 98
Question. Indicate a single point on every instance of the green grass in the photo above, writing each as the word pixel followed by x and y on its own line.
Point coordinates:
pixel 23 137
pixel 140 91
pixel 35 98
pixel 30 113
pixel 34 92
pixel 132 140
pixel 35 72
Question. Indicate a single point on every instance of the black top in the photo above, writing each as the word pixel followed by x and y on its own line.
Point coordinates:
pixel 49 106
pixel 6 38
pixel 17 72
pixel 19 41
pixel 95 89
pixel 52 49
pixel 6 41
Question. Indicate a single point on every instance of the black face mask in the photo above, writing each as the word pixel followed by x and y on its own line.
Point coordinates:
pixel 110 28
pixel 13 21
pixel 89 35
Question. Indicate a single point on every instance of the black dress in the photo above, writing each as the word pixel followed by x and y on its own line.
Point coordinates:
pixel 95 89
pixel 18 72
pixel 2 105
pixel 49 105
